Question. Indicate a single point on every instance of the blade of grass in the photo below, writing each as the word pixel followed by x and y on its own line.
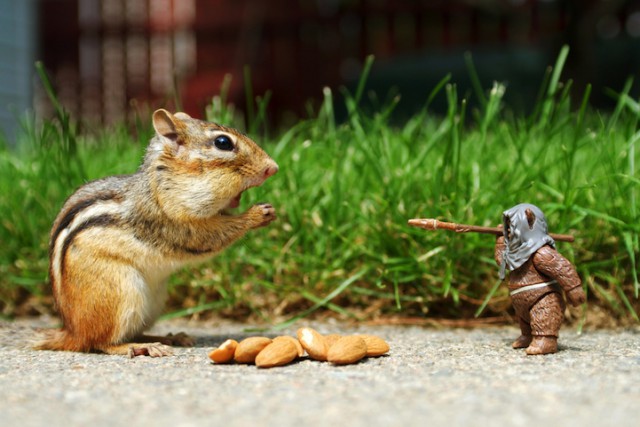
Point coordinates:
pixel 631 245
pixel 216 305
pixel 475 80
pixel 248 91
pixel 366 70
pixel 549 105
pixel 330 306
pixel 436 90
pixel 322 302
pixel 487 298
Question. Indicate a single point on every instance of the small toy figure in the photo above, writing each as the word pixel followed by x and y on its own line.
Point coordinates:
pixel 537 275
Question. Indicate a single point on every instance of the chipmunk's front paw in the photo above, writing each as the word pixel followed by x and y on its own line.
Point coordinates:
pixel 261 214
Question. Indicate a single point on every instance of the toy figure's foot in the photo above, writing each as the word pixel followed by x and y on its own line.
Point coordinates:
pixel 543 345
pixel 523 341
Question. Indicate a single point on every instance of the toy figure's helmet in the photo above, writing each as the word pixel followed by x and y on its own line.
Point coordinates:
pixel 525 231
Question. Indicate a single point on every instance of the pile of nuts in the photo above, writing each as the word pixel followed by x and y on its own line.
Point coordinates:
pixel 267 352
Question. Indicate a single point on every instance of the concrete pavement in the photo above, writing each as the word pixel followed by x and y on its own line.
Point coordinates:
pixel 435 377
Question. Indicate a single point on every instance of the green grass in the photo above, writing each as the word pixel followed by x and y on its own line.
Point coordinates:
pixel 344 193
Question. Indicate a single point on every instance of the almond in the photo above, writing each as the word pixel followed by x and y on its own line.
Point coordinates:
pixel 376 346
pixel 347 350
pixel 224 353
pixel 248 349
pixel 278 353
pixel 313 343
pixel 294 341
pixel 331 339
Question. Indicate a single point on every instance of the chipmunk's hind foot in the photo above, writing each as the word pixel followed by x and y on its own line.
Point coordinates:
pixel 150 345
pixel 177 340
pixel 151 349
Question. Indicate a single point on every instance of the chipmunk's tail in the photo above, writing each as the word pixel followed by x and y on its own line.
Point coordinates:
pixel 58 340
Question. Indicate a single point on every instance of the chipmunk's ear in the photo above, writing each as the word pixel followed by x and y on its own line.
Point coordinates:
pixel 182 116
pixel 165 124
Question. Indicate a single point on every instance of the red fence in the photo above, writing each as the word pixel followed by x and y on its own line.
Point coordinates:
pixel 105 55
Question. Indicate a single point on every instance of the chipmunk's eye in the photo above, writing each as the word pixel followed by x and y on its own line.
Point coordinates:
pixel 223 142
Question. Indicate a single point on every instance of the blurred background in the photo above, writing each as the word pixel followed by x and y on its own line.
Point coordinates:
pixel 108 58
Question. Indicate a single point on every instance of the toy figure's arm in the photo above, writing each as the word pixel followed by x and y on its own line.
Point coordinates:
pixel 553 265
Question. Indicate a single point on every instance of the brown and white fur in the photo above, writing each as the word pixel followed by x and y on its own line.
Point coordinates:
pixel 116 240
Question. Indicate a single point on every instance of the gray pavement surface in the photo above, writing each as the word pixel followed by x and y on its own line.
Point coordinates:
pixel 431 377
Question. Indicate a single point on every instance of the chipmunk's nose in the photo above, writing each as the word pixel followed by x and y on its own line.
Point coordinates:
pixel 271 170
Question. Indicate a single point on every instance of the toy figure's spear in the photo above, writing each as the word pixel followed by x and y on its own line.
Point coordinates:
pixel 434 224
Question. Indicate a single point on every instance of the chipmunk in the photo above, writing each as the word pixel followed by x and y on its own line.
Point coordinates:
pixel 117 239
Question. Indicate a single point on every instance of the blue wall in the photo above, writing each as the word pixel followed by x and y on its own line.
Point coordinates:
pixel 17 51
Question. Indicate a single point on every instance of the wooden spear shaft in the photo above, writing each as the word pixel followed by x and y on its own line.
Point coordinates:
pixel 434 224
